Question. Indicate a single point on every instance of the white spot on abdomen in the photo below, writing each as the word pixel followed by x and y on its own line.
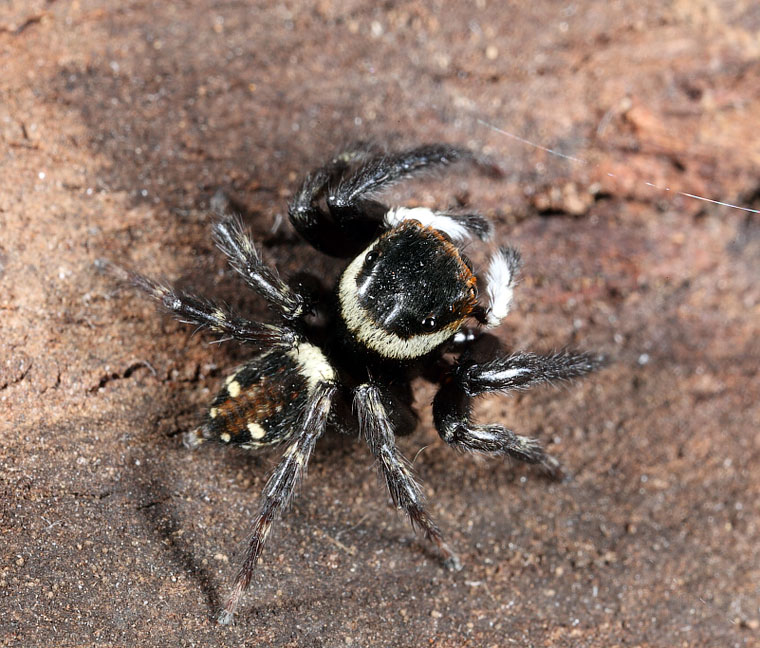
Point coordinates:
pixel 257 432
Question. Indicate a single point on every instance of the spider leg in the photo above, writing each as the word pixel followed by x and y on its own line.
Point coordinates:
pixel 351 197
pixel 381 171
pixel 355 218
pixel 471 377
pixel 191 309
pixel 376 427
pixel 316 225
pixel 280 489
pixel 232 239
pixel 524 370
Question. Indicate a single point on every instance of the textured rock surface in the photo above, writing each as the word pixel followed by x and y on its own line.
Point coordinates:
pixel 119 121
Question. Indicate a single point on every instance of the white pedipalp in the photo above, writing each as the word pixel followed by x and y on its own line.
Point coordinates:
pixel 500 281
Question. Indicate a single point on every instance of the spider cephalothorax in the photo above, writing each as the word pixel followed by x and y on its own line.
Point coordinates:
pixel 398 311
pixel 408 292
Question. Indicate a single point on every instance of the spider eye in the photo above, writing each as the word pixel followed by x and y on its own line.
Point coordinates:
pixel 429 323
pixel 474 292
pixel 371 258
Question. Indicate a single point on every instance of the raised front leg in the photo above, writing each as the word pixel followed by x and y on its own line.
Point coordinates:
pixel 315 224
pixel 353 218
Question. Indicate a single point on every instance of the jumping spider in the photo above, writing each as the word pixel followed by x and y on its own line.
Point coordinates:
pixel 396 313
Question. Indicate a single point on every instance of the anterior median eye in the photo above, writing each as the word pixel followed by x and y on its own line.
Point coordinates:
pixel 371 258
pixel 429 323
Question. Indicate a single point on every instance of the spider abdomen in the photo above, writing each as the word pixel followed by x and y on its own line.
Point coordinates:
pixel 261 401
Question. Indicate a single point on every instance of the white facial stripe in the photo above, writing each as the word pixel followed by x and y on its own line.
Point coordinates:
pixel 428 218
pixel 499 287
pixel 362 287
pixel 366 331
pixel 313 364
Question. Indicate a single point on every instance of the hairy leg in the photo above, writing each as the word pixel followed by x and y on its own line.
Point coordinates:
pixel 376 427
pixel 232 239
pixel 473 376
pixel 353 217
pixel 280 489
pixel 381 171
pixel 206 314
pixel 317 226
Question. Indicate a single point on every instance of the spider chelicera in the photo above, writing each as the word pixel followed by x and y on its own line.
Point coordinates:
pixel 398 312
